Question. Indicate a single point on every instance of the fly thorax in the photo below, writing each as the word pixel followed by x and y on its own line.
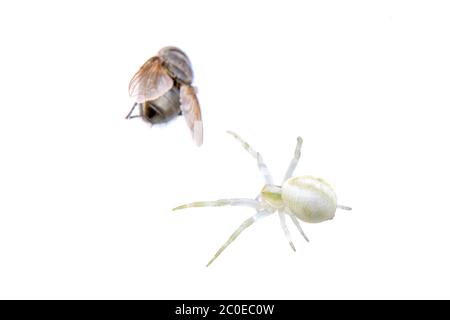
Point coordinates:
pixel 178 64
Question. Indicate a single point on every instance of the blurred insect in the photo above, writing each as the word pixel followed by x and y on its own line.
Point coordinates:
pixel 163 90
pixel 303 198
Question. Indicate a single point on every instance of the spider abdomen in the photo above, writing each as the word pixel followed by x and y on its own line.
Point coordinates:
pixel 310 199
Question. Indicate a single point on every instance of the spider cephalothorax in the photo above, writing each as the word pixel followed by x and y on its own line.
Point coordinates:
pixel 305 198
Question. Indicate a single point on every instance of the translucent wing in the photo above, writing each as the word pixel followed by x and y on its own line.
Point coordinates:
pixel 191 111
pixel 150 82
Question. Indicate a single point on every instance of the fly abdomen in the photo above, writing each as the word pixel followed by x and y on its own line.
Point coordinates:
pixel 164 108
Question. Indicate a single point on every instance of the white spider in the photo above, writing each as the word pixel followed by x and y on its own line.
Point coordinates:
pixel 303 198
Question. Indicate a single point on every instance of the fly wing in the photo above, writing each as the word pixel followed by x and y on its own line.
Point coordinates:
pixel 150 82
pixel 191 110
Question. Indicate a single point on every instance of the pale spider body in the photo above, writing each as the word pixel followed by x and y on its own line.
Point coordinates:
pixel 304 198
pixel 309 198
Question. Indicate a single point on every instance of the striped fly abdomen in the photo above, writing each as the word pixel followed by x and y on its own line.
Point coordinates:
pixel 163 109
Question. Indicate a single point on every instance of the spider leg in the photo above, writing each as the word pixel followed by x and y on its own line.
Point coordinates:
pixel 247 223
pixel 261 165
pixel 344 207
pixel 294 160
pixel 223 202
pixel 297 224
pixel 281 214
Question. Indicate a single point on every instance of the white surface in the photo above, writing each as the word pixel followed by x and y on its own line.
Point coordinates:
pixel 86 196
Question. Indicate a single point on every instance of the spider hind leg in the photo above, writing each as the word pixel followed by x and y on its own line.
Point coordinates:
pixel 297 224
pixel 281 214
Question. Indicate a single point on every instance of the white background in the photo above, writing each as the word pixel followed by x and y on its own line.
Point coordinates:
pixel 86 196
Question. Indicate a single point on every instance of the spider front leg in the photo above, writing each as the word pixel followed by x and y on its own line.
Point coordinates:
pixel 252 203
pixel 247 223
pixel 261 165
pixel 294 160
